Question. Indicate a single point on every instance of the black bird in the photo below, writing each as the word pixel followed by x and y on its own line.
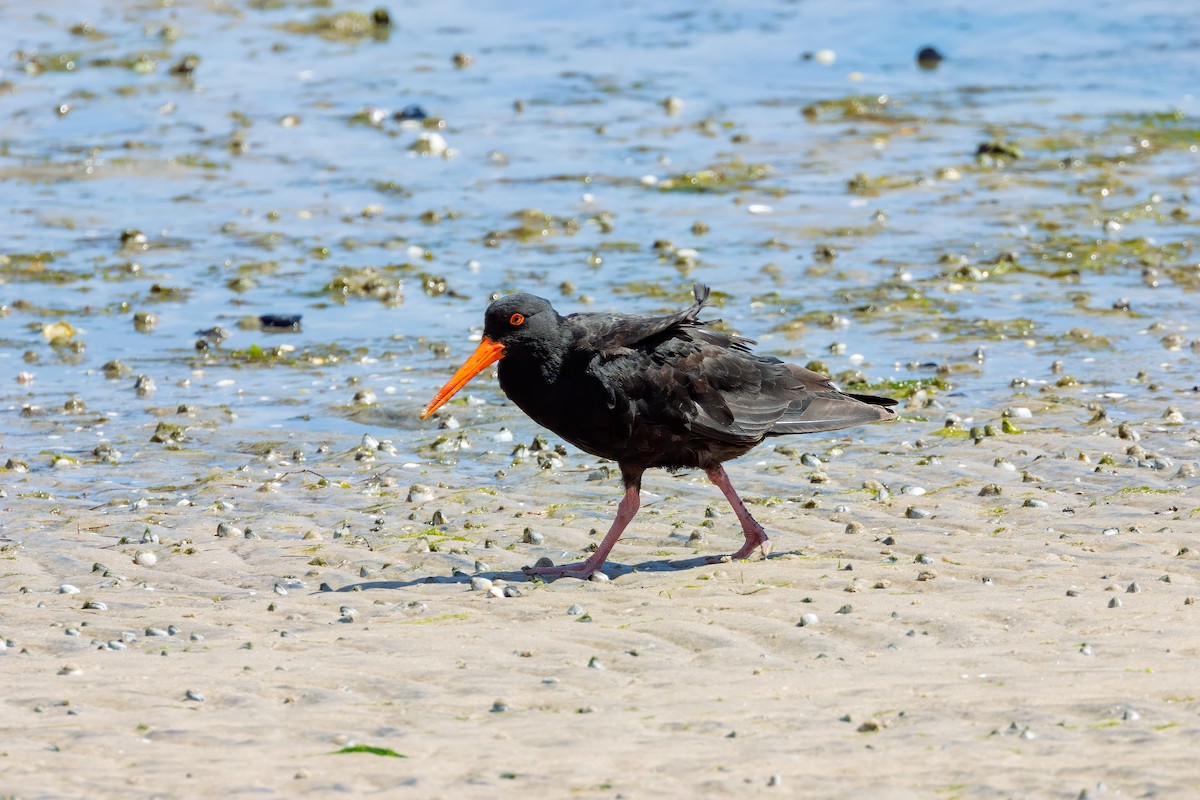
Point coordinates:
pixel 664 391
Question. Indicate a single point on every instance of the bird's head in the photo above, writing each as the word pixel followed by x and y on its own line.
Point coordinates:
pixel 514 323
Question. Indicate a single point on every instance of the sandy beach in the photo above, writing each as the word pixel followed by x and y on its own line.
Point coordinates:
pixel 989 649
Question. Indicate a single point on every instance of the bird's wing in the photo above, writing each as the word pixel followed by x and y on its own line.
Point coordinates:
pixel 614 335
pixel 753 396
pixel 672 371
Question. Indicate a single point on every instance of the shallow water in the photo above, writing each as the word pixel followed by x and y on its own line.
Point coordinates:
pixel 255 179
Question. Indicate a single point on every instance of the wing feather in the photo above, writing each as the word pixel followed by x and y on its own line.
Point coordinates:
pixel 671 371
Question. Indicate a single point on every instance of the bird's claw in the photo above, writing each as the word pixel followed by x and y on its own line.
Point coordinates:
pixel 582 571
pixel 760 543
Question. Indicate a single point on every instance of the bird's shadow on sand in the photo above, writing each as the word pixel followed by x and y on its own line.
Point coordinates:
pixel 612 569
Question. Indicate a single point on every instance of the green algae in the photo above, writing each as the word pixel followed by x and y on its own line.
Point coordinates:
pixel 349 27
pixel 731 176
pixel 854 108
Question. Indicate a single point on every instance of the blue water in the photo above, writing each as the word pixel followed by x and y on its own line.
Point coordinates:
pixel 151 151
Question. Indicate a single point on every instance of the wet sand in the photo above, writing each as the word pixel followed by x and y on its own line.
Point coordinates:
pixel 990 649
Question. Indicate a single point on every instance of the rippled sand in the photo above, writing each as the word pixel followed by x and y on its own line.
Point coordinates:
pixel 988 650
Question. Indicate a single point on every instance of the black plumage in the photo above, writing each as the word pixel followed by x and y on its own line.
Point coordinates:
pixel 653 391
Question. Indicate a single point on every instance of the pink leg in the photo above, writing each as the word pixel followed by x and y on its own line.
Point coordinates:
pixel 584 569
pixel 756 537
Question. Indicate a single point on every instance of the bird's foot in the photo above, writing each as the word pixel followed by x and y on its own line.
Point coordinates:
pixel 754 541
pixel 583 570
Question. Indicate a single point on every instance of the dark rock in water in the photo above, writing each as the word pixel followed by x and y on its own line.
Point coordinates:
pixel 280 323
pixel 413 112
pixel 999 149
pixel 186 65
pixel 929 57
pixel 215 334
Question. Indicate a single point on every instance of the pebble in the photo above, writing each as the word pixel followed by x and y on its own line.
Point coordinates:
pixel 926 575
pixel 1114 603
pixel 1032 503
pixel 512 591
pixel 418 493
pixel 156 632
pixel 855 527
pixel 1086 650
pixel 1018 412
pixel 810 460
pixel 145 559
pixel 67 588
pixel 807 620
pixel 594 663
pixel 499 706
pixel 532 537
pixel 192 694
pixel 915 491
pixel 96 605
pixel 912 512
pixel 70 669
pixel 227 530
pixel 598 577
pixel 1130 715
pixel 429 143
pixel 1133 588
pixel 479 584
pixel 575 609
pixel 929 57
pixel 1110 531
pixel 924 559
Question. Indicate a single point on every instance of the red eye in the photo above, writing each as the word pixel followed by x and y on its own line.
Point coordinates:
pixel 516 319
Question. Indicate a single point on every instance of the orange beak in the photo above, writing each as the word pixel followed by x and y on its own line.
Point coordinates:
pixel 488 352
